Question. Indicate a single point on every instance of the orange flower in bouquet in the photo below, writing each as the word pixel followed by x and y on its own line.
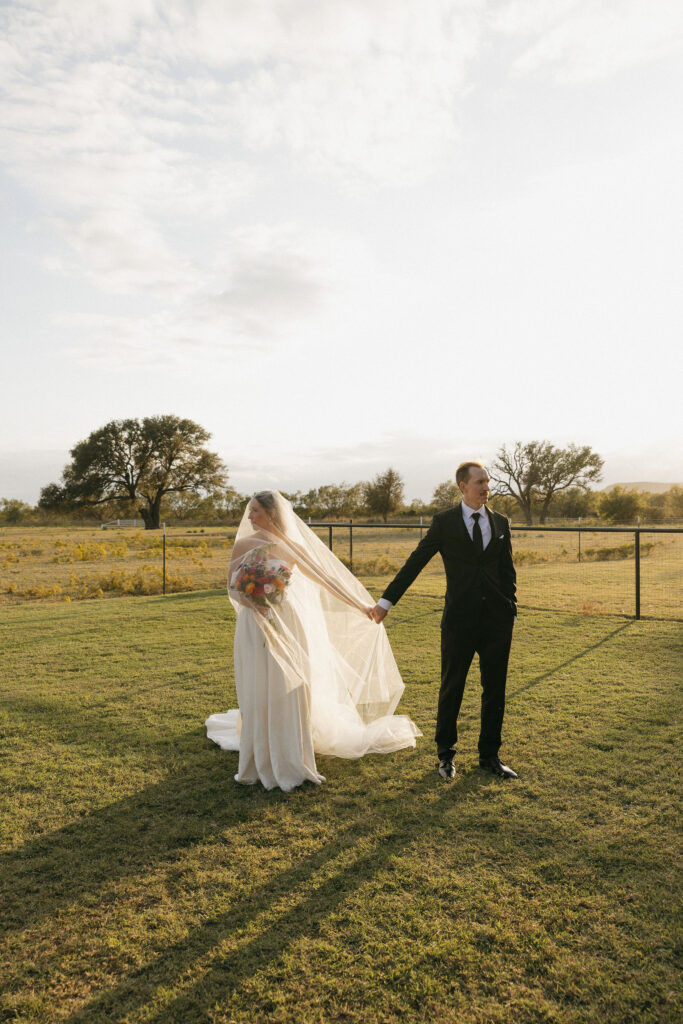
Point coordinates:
pixel 262 580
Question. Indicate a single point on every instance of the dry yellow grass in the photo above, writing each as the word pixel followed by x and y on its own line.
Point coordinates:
pixel 75 563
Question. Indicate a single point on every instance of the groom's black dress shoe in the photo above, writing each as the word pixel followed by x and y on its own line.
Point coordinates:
pixel 446 769
pixel 495 765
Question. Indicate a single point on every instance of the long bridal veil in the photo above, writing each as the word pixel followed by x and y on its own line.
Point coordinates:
pixel 312 613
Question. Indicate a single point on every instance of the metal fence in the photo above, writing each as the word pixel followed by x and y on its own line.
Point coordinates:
pixel 635 572
pixel 630 571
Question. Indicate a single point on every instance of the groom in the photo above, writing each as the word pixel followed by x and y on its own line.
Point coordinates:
pixel 479 612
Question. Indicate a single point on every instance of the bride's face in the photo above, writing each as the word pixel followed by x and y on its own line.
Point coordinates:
pixel 257 515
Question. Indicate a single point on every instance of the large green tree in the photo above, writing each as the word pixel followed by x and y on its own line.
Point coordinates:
pixel 535 473
pixel 138 462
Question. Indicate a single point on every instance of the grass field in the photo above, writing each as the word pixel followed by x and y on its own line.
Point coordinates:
pixel 141 884
pixel 77 563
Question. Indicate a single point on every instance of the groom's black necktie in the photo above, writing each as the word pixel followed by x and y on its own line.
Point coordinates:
pixel 476 534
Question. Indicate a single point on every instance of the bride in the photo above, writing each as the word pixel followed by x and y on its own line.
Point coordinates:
pixel 313 673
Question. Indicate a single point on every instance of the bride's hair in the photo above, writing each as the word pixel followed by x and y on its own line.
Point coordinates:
pixel 266 500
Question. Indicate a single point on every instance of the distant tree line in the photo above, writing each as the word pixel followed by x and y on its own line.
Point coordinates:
pixel 617 506
pixel 159 469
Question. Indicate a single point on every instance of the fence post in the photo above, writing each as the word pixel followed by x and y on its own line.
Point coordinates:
pixel 420 527
pixel 163 547
pixel 351 544
pixel 637 553
pixel 579 538
pixel 330 540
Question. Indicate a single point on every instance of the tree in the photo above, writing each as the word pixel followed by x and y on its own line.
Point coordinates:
pixel 533 474
pixel 298 501
pixel 619 505
pixel 446 495
pixel 335 500
pixel 192 507
pixel 339 499
pixel 233 503
pixel 354 500
pixel 675 496
pixel 504 504
pixel 653 507
pixel 13 511
pixel 417 507
pixel 384 494
pixel 576 502
pixel 138 462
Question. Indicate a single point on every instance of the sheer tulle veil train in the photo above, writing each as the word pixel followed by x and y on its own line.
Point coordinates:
pixel 310 668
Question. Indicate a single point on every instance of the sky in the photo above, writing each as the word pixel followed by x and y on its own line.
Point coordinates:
pixel 342 234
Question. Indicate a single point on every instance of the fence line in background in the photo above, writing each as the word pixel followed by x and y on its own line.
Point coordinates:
pixel 350 526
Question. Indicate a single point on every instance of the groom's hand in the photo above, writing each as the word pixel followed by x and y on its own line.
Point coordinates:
pixel 379 613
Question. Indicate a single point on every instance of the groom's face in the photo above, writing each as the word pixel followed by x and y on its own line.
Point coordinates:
pixel 475 490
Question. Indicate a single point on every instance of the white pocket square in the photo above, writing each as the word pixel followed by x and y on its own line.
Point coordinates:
pixel 500 536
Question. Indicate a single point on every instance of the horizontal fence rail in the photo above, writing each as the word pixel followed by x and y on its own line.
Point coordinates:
pixel 633 571
pixel 595 577
pixel 531 563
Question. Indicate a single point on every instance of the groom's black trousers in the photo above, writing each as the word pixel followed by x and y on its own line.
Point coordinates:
pixel 487 633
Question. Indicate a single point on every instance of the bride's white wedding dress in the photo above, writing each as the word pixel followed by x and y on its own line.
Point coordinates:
pixel 312 673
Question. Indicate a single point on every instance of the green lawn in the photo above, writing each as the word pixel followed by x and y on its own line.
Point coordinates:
pixel 141 884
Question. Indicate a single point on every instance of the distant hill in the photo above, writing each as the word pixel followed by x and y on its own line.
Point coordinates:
pixel 652 488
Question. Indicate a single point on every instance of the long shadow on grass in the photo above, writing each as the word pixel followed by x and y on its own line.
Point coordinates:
pixel 150 827
pixel 321 883
pixel 99 727
pixel 569 661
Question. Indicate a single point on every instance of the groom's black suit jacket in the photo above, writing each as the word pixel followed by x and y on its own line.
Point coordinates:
pixel 470 576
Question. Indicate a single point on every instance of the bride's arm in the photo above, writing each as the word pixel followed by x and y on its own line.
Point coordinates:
pixel 240 549
pixel 294 555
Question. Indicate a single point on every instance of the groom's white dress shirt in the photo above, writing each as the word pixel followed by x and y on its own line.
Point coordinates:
pixel 484 523
pixel 467 513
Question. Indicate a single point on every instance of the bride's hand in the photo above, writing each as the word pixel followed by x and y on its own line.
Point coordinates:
pixel 368 610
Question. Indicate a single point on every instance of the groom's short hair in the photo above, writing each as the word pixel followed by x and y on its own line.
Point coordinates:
pixel 463 470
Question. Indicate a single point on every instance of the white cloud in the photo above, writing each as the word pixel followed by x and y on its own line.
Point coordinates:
pixel 138 125
pixel 590 40
pixel 159 148
pixel 275 276
pixel 267 281
pixel 361 89
pixel 104 135
pixel 123 254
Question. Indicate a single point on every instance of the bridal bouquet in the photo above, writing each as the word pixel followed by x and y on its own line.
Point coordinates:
pixel 262 580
